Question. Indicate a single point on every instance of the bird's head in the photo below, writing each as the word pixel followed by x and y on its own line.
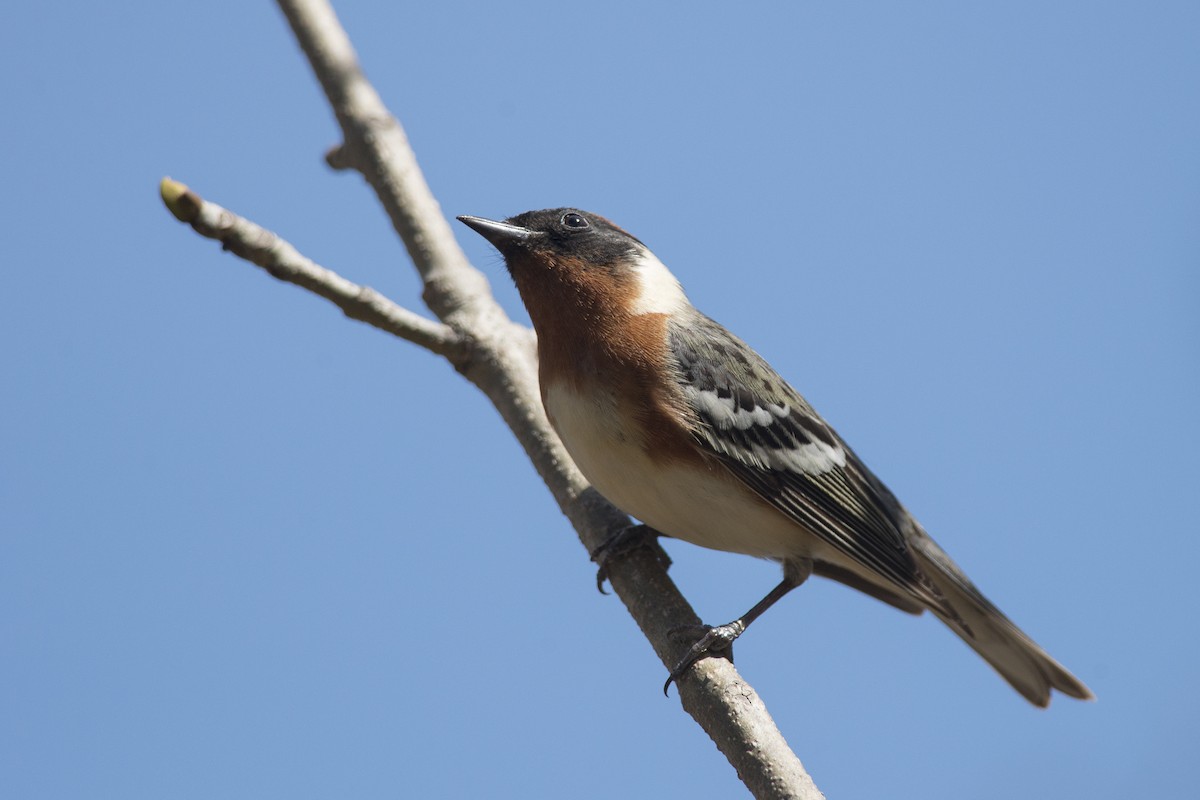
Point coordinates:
pixel 564 259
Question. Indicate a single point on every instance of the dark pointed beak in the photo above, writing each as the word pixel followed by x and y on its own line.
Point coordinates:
pixel 501 234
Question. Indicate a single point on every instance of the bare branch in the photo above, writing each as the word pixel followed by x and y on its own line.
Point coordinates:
pixel 376 146
pixel 264 248
pixel 503 366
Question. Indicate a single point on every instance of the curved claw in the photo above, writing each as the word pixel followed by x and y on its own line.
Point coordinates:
pixel 601 577
pixel 622 542
pixel 718 638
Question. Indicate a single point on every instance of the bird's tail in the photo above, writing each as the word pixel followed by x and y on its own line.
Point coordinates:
pixel 1019 660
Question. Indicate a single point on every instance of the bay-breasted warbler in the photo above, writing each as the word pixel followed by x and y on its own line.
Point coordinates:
pixel 682 425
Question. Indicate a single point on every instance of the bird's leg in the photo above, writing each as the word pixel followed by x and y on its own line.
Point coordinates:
pixel 722 637
pixel 625 541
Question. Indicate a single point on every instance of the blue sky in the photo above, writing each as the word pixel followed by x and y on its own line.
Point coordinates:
pixel 253 549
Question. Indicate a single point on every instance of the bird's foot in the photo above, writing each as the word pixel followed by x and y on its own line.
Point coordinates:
pixel 623 542
pixel 709 641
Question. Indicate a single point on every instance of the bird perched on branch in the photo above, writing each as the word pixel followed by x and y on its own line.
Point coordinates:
pixel 680 424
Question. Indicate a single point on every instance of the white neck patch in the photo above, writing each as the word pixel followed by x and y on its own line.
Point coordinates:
pixel 659 292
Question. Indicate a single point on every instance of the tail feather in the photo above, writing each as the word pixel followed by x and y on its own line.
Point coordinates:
pixel 1019 660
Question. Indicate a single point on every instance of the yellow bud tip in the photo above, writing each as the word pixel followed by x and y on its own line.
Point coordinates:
pixel 179 199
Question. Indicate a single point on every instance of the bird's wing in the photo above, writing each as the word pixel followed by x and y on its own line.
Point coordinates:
pixel 768 436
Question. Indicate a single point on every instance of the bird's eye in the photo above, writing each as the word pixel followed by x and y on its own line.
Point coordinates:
pixel 574 220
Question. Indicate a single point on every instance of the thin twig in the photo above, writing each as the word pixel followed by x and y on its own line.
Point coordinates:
pixel 278 257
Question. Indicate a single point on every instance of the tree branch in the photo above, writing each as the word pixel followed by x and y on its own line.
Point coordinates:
pixel 502 364
pixel 266 249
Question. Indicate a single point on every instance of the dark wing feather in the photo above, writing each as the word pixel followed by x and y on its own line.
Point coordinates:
pixel 767 435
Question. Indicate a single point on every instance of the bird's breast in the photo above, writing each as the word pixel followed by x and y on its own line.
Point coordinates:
pixel 690 498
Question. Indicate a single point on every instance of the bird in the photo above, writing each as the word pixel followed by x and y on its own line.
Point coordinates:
pixel 681 425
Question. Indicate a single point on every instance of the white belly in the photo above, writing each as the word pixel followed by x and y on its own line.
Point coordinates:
pixel 708 507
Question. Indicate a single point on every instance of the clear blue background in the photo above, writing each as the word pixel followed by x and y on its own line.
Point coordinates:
pixel 251 549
